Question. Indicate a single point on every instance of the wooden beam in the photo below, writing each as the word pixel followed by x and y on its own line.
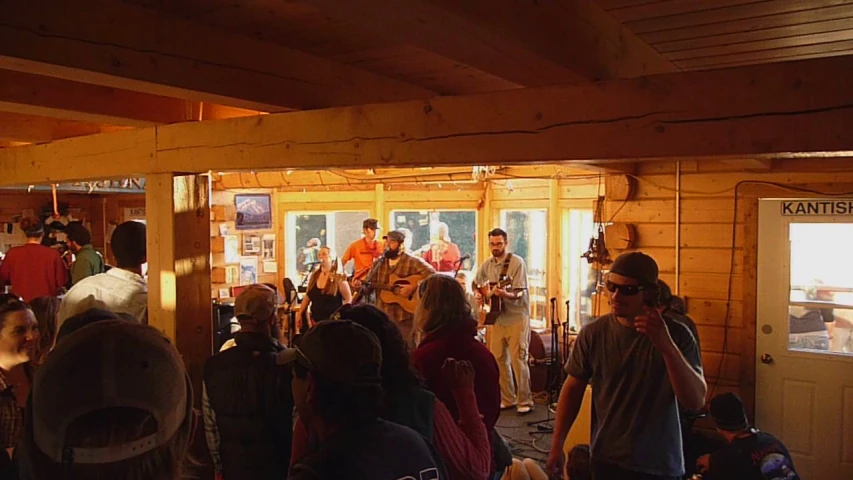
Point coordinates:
pixel 751 164
pixel 528 43
pixel 63 99
pixel 764 111
pixel 120 45
pixel 179 271
pixel 37 129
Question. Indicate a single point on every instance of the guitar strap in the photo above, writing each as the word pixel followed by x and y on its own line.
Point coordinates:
pixel 505 268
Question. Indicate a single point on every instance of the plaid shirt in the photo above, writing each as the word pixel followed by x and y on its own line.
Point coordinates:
pixel 11 415
pixel 406 266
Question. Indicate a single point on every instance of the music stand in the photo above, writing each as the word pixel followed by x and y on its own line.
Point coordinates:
pixel 554 383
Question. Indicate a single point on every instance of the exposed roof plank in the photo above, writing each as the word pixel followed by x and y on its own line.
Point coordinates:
pixel 116 44
pixel 528 43
pixel 36 129
pixel 767 111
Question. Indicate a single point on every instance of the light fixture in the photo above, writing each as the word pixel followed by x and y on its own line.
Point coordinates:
pixel 371 171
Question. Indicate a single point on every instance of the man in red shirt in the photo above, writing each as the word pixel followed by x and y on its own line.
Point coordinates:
pixel 364 250
pixel 32 269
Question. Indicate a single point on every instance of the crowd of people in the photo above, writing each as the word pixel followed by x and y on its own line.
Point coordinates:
pixel 378 389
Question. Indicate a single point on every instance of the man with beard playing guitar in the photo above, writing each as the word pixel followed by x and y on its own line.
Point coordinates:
pixel 395 277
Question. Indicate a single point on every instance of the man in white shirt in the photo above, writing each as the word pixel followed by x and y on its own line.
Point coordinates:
pixel 120 290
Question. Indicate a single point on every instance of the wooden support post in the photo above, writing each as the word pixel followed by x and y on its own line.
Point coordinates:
pixel 179 270
pixel 555 258
pixel 379 212
pixel 486 220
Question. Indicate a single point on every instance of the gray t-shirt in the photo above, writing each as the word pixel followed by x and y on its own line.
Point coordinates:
pixel 514 310
pixel 635 424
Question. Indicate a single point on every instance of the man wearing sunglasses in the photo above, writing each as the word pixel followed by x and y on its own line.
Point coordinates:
pixel 640 366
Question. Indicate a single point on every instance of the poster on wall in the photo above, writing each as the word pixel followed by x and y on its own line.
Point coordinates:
pixel 251 244
pixel 248 270
pixel 232 249
pixel 270 266
pixel 254 212
pixel 232 274
pixel 268 246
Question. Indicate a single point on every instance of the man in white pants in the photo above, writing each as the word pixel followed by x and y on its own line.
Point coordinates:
pixel 510 335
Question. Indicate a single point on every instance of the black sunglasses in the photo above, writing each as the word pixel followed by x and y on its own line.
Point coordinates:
pixel 627 290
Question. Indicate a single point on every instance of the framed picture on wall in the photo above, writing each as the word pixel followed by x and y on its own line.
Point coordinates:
pixel 254 211
pixel 251 244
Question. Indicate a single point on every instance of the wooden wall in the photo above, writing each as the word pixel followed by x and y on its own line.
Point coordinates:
pixel 706 270
pixel 381 198
pixel 224 213
pixel 97 209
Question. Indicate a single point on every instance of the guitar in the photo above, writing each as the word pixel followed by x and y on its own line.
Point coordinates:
pixel 358 277
pixel 389 293
pixel 493 304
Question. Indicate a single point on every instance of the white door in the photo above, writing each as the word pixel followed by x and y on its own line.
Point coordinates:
pixel 804 349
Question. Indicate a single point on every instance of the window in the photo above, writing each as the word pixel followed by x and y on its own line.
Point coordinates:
pixel 426 235
pixel 579 278
pixel 308 231
pixel 820 307
pixel 527 232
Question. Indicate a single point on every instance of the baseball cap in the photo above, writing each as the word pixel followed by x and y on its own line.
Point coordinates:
pixel 728 412
pixel 109 364
pixel 340 351
pixel 371 223
pixel 257 302
pixel 636 265
pixel 396 235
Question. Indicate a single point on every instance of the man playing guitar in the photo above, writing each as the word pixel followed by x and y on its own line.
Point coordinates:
pixel 397 263
pixel 363 251
pixel 509 338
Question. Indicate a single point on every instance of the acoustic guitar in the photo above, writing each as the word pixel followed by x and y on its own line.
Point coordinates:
pixel 493 304
pixel 390 292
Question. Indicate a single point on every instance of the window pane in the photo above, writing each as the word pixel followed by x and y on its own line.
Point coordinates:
pixel 307 231
pixel 527 236
pixel 578 276
pixel 426 236
pixel 820 310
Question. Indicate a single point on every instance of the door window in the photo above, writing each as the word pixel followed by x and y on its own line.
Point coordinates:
pixel 820 306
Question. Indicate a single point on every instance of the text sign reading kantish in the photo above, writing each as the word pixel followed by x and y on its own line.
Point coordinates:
pixel 817 207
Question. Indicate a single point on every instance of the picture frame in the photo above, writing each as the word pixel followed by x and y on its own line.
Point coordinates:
pixel 251 244
pixel 268 246
pixel 254 211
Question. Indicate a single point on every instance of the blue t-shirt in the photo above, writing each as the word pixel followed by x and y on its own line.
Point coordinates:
pixel 635 422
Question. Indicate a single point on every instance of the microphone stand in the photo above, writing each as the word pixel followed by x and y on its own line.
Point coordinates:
pixel 553 384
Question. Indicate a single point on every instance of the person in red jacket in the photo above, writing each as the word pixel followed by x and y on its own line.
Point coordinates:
pixel 445 319
pixel 33 270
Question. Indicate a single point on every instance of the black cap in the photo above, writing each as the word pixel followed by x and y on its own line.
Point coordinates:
pixel 636 265
pixel 728 412
pixel 371 223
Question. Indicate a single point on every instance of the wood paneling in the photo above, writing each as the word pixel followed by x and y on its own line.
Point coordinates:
pixel 702 34
pixel 722 305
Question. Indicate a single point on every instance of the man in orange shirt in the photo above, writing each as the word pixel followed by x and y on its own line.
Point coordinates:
pixel 364 250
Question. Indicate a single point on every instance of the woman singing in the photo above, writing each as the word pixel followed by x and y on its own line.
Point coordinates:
pixel 327 289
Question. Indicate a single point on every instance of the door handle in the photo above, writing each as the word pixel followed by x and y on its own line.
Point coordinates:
pixel 767 359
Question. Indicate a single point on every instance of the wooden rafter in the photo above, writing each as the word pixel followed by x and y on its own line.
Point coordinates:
pixel 117 44
pixel 787 109
pixel 36 129
pixel 64 99
pixel 529 43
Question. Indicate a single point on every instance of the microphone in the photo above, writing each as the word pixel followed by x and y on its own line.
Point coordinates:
pixel 464 257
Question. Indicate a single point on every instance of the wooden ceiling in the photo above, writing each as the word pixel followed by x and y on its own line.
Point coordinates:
pixel 89 66
pixel 704 34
